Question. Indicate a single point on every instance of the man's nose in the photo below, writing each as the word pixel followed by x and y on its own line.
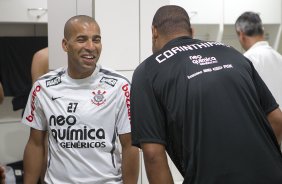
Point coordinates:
pixel 90 45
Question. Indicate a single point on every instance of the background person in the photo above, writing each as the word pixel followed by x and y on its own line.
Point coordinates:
pixel 40 64
pixel 204 103
pixel 84 107
pixel 266 60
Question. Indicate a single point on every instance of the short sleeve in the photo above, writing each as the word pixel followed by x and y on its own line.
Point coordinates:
pixel 267 101
pixel 148 122
pixel 123 108
pixel 33 115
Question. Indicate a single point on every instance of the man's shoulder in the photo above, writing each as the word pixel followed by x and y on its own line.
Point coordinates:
pixel 52 77
pixel 260 52
pixel 52 73
pixel 109 74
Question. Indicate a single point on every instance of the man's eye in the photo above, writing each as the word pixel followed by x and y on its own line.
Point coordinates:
pixel 80 40
pixel 98 40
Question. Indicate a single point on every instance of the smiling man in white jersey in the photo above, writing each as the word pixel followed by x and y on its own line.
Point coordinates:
pixel 85 109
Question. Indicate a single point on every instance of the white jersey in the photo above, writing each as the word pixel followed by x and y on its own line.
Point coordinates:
pixel 84 118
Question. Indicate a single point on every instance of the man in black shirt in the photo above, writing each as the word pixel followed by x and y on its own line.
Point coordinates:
pixel 204 103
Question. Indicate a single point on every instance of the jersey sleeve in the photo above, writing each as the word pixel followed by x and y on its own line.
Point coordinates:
pixel 267 101
pixel 33 115
pixel 123 107
pixel 148 122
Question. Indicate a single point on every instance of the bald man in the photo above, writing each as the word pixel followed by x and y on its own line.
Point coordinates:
pixel 84 110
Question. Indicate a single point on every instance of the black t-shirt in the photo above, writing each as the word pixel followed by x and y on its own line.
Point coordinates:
pixel 206 103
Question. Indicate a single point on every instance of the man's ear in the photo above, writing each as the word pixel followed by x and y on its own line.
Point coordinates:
pixel 65 45
pixel 241 35
pixel 155 33
pixel 243 38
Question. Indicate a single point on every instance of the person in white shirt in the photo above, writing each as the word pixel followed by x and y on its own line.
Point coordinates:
pixel 266 60
pixel 85 110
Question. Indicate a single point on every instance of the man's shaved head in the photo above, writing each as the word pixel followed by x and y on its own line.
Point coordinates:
pixel 172 19
pixel 79 18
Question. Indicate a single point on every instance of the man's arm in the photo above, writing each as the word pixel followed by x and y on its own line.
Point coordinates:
pixel 130 160
pixel 34 156
pixel 39 67
pixel 156 164
pixel 275 119
pixel 40 64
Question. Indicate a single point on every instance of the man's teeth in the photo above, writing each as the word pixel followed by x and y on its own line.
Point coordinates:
pixel 89 57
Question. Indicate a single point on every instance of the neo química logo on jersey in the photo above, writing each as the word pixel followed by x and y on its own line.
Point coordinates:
pixel 70 136
pixel 200 60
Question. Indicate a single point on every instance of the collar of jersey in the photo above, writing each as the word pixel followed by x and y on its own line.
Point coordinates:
pixel 175 40
pixel 84 80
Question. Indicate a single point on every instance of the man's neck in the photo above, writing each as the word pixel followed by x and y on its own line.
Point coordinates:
pixel 250 41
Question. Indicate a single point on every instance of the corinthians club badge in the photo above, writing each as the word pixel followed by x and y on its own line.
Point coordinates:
pixel 99 97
